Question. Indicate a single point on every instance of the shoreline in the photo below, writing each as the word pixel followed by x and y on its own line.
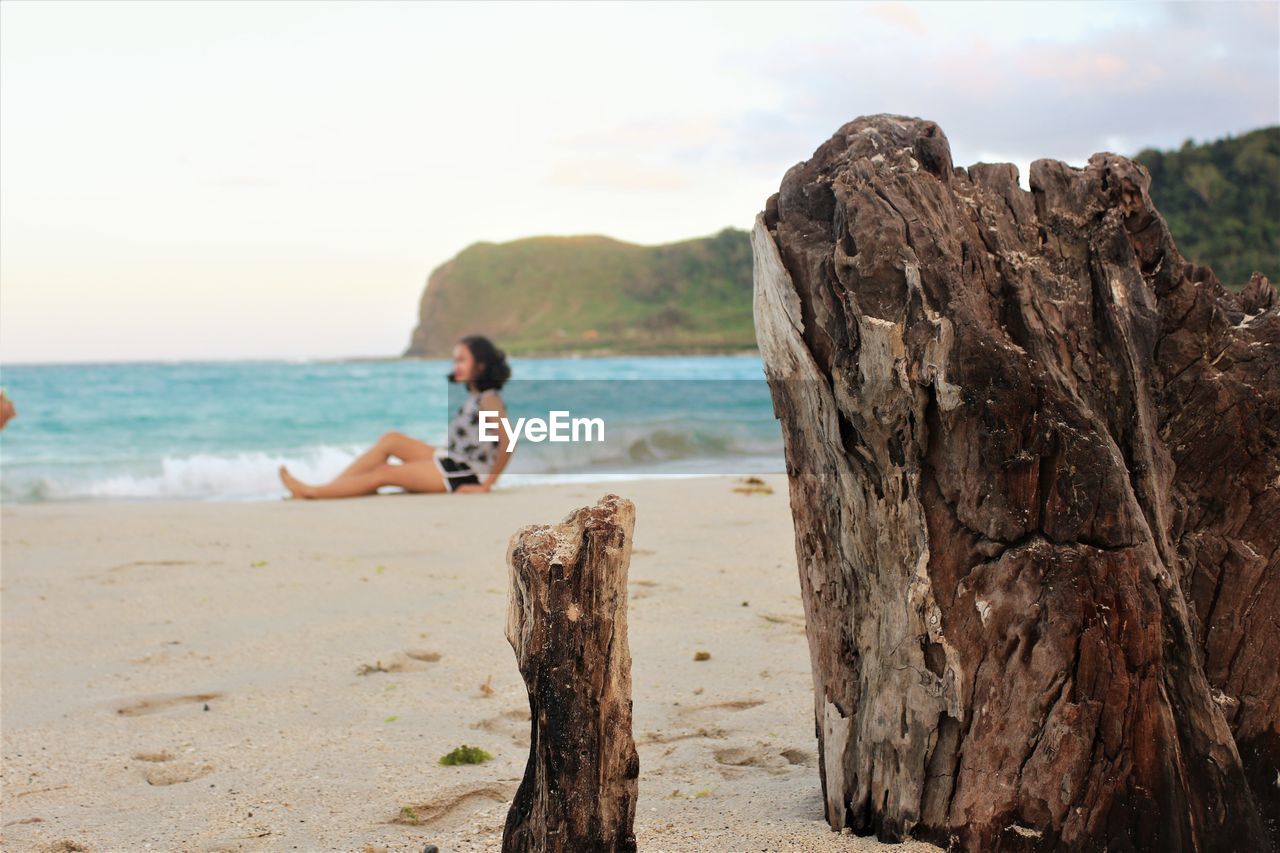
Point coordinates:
pixel 510 482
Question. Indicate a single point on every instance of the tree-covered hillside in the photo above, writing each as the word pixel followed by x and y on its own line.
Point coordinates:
pixel 592 294
pixel 1222 202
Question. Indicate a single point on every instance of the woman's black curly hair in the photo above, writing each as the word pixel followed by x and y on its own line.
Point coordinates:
pixel 495 370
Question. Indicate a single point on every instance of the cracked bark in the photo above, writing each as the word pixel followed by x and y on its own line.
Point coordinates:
pixel 1035 474
pixel 567 623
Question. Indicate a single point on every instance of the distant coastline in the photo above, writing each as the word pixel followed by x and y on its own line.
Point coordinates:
pixel 597 352
pixel 381 359
pixel 604 352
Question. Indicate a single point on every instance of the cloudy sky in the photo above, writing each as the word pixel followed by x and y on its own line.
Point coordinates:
pixel 228 180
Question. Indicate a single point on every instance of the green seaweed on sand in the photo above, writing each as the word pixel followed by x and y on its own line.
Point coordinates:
pixel 465 755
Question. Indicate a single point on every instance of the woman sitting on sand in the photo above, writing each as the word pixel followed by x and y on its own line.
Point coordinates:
pixel 468 465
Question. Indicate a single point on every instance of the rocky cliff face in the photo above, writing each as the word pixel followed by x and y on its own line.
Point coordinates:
pixel 1035 471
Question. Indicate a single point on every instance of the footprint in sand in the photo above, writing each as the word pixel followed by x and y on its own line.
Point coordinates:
pixel 734 760
pixel 423 655
pixel 644 589
pixel 167 769
pixel 177 772
pixel 452 805
pixel 732 705
pixel 711 732
pixel 155 704
pixel 115 578
pixel 409 661
pixel 135 563
pixel 162 657
pixel 513 723
pixel 798 756
pixel 66 845
pixel 790 620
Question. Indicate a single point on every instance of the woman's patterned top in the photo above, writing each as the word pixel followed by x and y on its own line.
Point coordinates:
pixel 465 445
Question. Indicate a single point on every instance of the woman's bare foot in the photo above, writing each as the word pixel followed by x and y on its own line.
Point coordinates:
pixel 295 486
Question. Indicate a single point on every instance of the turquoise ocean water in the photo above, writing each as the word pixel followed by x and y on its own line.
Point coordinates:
pixel 219 430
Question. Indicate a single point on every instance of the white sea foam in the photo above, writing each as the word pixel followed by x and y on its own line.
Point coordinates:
pixel 253 475
pixel 241 476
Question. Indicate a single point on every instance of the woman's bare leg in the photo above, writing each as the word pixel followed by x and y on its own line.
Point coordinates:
pixel 393 443
pixel 420 476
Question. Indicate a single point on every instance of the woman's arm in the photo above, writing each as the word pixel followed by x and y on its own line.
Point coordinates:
pixel 490 402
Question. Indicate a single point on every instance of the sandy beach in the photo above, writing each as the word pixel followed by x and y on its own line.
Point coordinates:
pixel 286 675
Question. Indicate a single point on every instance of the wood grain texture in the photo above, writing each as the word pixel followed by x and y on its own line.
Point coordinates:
pixel 567 623
pixel 1033 462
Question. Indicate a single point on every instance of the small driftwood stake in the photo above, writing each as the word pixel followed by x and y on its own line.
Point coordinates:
pixel 567 622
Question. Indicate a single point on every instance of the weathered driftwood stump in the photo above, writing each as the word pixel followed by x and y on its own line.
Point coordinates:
pixel 568 625
pixel 1034 460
